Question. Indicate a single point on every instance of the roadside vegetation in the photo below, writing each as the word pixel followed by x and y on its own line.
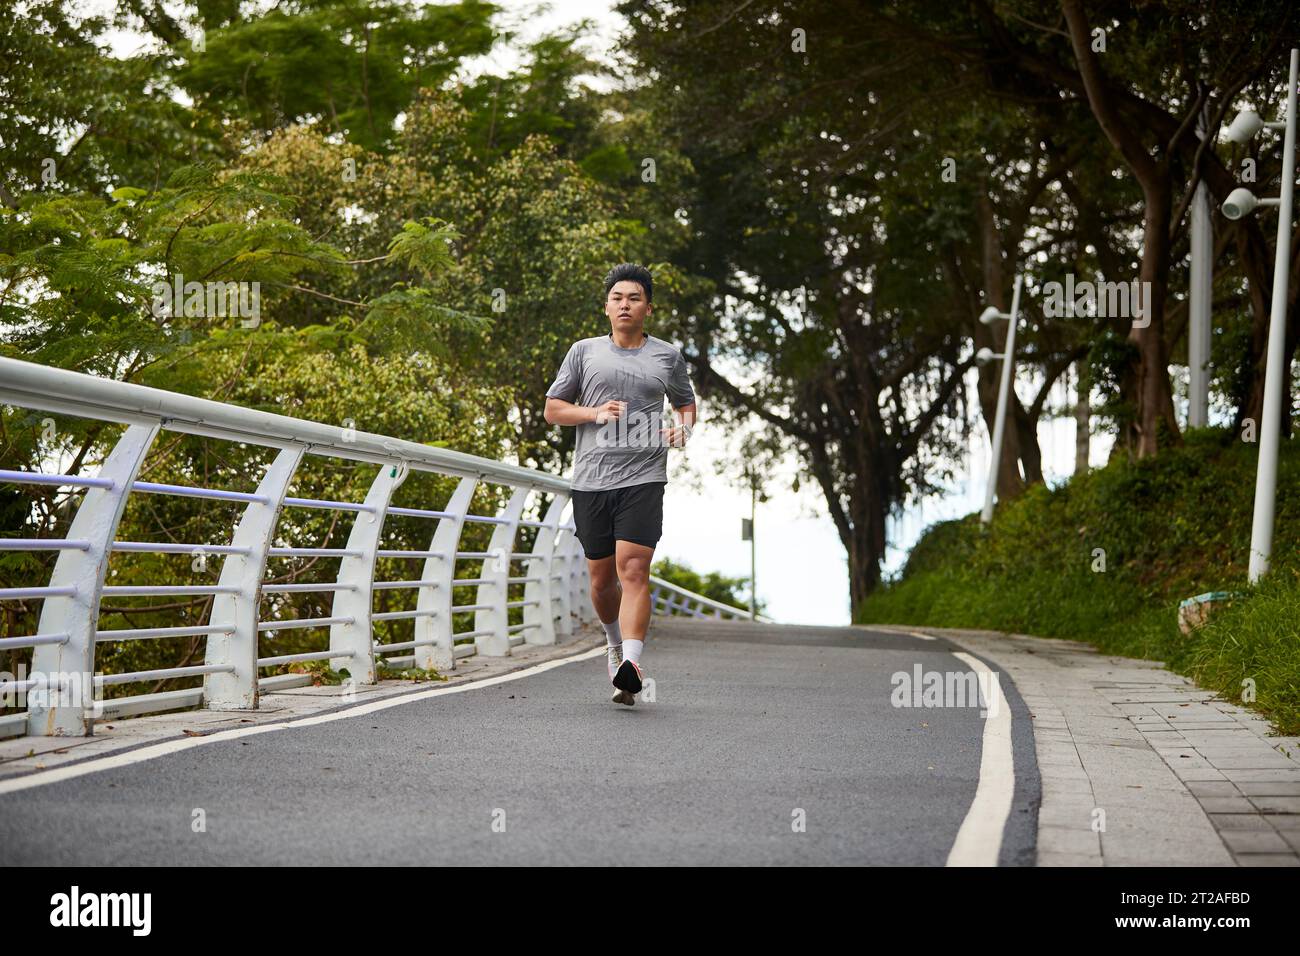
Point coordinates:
pixel 1163 529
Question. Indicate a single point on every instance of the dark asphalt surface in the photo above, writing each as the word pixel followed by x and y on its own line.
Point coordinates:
pixel 750 724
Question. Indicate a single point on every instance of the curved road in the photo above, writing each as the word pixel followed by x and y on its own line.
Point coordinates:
pixel 750 725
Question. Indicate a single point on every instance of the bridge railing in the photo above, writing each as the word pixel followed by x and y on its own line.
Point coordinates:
pixel 670 599
pixel 64 690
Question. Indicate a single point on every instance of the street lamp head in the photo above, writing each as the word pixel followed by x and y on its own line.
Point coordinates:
pixel 984 356
pixel 1244 127
pixel 990 315
pixel 1240 202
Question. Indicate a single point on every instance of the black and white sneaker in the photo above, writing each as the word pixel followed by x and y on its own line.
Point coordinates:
pixel 628 677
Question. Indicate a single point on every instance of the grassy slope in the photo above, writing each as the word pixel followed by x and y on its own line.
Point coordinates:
pixel 1170 527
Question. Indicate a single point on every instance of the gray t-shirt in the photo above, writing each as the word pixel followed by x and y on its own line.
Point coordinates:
pixel 628 450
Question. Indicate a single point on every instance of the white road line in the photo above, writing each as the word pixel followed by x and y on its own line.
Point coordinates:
pixel 980 838
pixel 895 629
pixel 56 774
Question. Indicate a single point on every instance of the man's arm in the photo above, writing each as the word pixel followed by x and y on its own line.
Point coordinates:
pixel 681 433
pixel 560 412
pixel 682 397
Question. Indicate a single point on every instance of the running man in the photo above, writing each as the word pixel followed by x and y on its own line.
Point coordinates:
pixel 612 388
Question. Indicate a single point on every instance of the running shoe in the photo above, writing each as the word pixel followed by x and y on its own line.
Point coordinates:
pixel 628 677
pixel 623 697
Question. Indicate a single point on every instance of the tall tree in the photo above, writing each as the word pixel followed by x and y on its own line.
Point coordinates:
pixel 811 264
pixel 1146 72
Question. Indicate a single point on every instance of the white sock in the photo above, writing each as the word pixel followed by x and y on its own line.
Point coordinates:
pixel 612 633
pixel 632 650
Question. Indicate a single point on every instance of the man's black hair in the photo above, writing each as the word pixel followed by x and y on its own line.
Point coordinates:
pixel 633 273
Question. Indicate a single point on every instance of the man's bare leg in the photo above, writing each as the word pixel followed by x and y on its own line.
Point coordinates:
pixel 633 562
pixel 606 594
pixel 606 597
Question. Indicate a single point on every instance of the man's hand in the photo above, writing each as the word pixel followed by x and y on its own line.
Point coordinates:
pixel 600 414
pixel 676 437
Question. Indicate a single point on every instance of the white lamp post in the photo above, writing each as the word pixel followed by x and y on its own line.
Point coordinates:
pixel 983 357
pixel 1240 202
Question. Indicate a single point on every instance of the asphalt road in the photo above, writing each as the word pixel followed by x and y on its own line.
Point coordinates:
pixel 750 725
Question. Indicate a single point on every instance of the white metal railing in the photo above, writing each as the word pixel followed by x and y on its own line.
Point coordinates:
pixel 555 578
pixel 668 598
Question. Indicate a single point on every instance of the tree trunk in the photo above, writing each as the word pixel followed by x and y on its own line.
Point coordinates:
pixel 1031 455
pixel 864 573
pixel 865 545
pixel 1155 403
pixel 1082 415
pixel 1009 483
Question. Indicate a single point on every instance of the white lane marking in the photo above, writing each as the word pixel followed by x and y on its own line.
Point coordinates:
pixel 56 774
pixel 980 838
pixel 894 629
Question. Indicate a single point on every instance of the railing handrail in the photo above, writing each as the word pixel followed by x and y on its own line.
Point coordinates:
pixel 716 605
pixel 29 385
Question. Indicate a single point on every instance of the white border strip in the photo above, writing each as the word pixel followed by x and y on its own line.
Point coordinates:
pixel 57 774
pixel 980 838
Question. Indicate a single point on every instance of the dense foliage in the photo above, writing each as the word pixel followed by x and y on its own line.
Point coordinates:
pixel 1107 557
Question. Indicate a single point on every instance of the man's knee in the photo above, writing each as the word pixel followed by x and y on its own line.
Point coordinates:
pixel 603 574
pixel 634 572
pixel 611 586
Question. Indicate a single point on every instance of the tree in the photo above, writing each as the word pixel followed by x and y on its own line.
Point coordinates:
pixel 713 585
pixel 74 118
pixel 351 65
pixel 823 263
pixel 1146 72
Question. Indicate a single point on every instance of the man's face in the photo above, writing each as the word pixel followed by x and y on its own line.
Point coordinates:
pixel 626 306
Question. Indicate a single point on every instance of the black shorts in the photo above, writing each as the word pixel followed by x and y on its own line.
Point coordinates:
pixel 634 513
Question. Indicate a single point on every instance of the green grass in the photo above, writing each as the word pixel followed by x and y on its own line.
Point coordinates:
pixel 1167 528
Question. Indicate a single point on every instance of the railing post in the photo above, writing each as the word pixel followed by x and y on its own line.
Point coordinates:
pixel 560 562
pixel 77 615
pixel 438 597
pixel 495 571
pixel 355 641
pixel 578 601
pixel 560 566
pixel 549 606
pixel 238 690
